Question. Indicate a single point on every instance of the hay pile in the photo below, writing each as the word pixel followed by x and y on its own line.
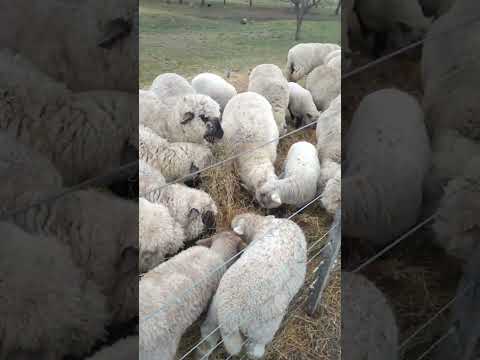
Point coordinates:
pixel 301 337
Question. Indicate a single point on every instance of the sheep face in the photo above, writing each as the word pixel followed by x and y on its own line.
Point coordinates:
pixel 200 119
pixel 200 215
pixel 268 196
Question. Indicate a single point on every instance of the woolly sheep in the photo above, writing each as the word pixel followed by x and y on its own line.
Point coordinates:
pixel 387 156
pixel 159 234
pixel 456 225
pixel 332 55
pixel 124 349
pixel 450 82
pixel 62 314
pixel 173 160
pixel 324 83
pixel 84 134
pixel 89 45
pixel 191 118
pixel 298 183
pixel 329 128
pixel 303 58
pixel 101 231
pixel 268 80
pixel 193 209
pixel 214 86
pixel 248 123
pixel 335 62
pixel 400 22
pixel 254 294
pixel 170 84
pixel 369 329
pixel 184 285
pixel 301 106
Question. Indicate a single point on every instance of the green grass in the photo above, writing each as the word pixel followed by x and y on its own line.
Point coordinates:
pixel 189 39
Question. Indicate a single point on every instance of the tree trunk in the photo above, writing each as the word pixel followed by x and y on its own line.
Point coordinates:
pixel 300 15
pixel 339 5
pixel 180 2
pixel 224 2
pixel 202 3
pixel 250 3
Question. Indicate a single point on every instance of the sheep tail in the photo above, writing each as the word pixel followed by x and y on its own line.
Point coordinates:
pixel 233 342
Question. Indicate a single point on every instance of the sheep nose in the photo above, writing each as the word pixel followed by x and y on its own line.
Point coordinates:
pixel 216 130
pixel 208 220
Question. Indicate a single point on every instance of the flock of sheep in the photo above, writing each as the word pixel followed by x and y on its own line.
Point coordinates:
pixel 403 158
pixel 250 274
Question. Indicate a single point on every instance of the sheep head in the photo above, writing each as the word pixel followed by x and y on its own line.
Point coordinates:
pixel 268 196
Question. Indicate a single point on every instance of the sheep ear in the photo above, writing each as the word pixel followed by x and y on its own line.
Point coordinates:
pixel 276 198
pixel 187 117
pixel 117 29
pixel 205 242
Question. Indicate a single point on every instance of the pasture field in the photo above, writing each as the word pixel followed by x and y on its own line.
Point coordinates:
pixel 189 39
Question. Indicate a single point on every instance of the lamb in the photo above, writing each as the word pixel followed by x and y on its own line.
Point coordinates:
pixel 456 223
pixel 170 84
pixel 268 80
pixel 450 82
pixel 253 295
pixel 63 315
pixel 101 231
pixel 159 234
pixel 184 285
pixel 324 83
pixel 124 349
pixel 369 329
pixel 214 86
pixel 194 210
pixel 248 123
pixel 173 160
pixel 83 134
pixel 68 32
pixel 303 58
pixel 394 23
pixel 298 184
pixel 190 118
pixel 301 106
pixel 387 156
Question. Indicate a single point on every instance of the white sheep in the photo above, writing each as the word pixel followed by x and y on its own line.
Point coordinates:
pixel 298 183
pixel 399 21
pixel 248 123
pixel 170 84
pixel 369 328
pixel 332 55
pixel 84 134
pixel 303 58
pixel 148 106
pixel 193 209
pixel 335 62
pixel 214 86
pixel 50 310
pixel 159 234
pixel 450 82
pixel 268 80
pixel 174 294
pixel 324 83
pixel 173 160
pixel 301 106
pixel 92 45
pixel 124 349
pixel 457 222
pixel 254 294
pixel 387 156
pixel 101 231
pixel 329 132
pixel 191 118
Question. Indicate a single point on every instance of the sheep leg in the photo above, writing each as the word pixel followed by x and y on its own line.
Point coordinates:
pixel 255 351
pixel 210 333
